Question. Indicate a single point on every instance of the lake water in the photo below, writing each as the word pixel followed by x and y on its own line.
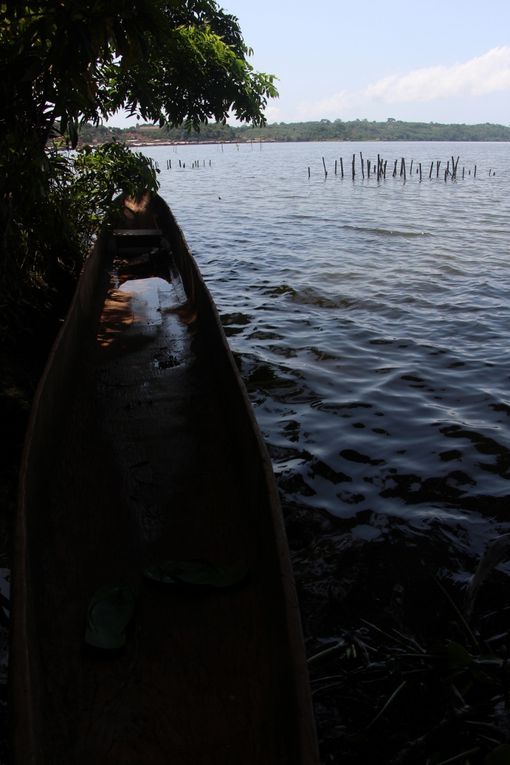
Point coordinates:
pixel 370 321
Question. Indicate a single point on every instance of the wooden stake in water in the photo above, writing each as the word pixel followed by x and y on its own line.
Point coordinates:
pixel 308 172
pixel 325 171
pixel 336 167
pixel 353 168
pixel 342 167
pixel 362 165
pixel 431 168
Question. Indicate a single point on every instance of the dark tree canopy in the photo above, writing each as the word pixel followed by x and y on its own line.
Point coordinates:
pixel 169 61
pixel 64 62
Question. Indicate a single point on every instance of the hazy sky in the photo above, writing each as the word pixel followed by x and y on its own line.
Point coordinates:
pixel 440 60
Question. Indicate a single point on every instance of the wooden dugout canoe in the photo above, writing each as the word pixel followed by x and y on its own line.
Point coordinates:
pixel 143 448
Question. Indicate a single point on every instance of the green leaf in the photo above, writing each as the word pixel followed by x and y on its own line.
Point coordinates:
pixel 109 613
pixel 198 573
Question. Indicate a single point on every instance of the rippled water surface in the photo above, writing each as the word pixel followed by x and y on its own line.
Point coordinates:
pixel 370 321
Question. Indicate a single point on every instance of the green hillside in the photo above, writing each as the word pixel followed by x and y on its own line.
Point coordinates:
pixel 322 130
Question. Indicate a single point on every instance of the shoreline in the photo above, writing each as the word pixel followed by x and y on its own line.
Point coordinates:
pixel 145 144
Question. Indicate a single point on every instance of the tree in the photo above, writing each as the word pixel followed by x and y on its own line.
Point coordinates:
pixel 65 62
pixel 167 60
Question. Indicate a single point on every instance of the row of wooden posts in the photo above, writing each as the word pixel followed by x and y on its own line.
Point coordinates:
pixel 379 169
pixel 195 163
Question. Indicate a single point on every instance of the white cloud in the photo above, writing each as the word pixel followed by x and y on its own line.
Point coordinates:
pixel 485 74
pixel 479 76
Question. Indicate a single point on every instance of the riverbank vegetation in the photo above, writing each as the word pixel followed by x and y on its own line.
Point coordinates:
pixel 322 130
pixel 417 670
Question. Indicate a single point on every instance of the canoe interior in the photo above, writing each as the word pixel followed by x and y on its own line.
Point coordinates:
pixel 142 449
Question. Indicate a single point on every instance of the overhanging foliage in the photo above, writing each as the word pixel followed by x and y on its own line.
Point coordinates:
pixel 69 61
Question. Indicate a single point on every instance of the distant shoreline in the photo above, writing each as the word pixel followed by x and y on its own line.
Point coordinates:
pixel 331 140
pixel 323 131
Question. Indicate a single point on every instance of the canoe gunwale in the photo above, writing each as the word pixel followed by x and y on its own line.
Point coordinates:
pixel 25 692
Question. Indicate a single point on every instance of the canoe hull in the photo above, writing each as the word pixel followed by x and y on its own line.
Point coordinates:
pixel 143 448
